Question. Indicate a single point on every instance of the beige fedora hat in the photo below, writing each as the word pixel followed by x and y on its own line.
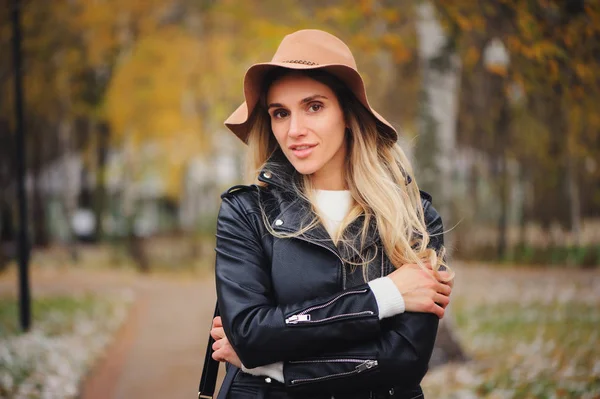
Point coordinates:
pixel 305 49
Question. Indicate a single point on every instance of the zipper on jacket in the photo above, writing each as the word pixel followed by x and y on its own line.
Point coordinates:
pixel 304 316
pixel 339 360
pixel 363 366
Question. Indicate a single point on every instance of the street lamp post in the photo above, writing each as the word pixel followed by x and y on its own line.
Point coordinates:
pixel 23 241
pixel 496 60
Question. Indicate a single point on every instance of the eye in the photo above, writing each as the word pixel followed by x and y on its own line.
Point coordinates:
pixel 315 107
pixel 279 114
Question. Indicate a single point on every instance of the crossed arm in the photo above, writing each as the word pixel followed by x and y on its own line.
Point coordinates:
pixel 255 332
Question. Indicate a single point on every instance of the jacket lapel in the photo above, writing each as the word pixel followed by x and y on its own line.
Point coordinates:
pixel 294 213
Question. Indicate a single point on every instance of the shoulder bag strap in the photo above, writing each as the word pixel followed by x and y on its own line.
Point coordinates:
pixel 208 381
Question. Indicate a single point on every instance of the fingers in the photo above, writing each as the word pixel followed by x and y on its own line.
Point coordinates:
pixel 440 275
pixel 223 352
pixel 439 311
pixel 217 333
pixel 445 277
pixel 220 343
pixel 217 322
pixel 441 300
pixel 444 289
pixel 219 355
pixel 450 283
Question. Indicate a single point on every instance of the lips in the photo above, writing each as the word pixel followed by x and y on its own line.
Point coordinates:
pixel 302 150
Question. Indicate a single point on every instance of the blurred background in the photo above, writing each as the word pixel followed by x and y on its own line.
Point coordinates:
pixel 126 155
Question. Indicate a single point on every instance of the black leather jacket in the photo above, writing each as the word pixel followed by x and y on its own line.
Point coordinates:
pixel 294 300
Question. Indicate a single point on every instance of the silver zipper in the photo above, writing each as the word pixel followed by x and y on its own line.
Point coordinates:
pixel 367 365
pixel 364 366
pixel 297 318
pixel 343 275
pixel 365 313
pixel 305 317
pixel 340 360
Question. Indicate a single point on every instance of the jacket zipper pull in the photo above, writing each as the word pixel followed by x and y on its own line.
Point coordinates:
pixel 366 365
pixel 295 319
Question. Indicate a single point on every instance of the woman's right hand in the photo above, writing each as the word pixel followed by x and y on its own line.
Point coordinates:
pixel 421 289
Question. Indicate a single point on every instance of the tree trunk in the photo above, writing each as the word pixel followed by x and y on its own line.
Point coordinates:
pixel 71 174
pixel 574 201
pixel 129 199
pixel 501 140
pixel 102 132
pixel 440 89
pixel 71 185
pixel 447 348
pixel 38 212
pixel 503 190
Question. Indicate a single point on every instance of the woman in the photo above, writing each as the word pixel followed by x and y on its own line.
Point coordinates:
pixel 327 269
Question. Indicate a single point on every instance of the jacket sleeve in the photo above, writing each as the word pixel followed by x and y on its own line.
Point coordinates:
pixel 398 357
pixel 262 331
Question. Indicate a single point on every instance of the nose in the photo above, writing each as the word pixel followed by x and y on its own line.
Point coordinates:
pixel 296 128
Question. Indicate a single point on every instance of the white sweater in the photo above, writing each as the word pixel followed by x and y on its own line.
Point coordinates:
pixel 332 207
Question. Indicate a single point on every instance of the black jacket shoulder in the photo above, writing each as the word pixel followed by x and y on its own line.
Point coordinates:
pixel 433 221
pixel 239 189
pixel 242 197
pixel 425 196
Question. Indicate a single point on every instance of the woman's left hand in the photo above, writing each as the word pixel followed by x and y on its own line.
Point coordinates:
pixel 223 351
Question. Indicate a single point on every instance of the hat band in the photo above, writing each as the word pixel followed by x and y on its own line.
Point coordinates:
pixel 303 62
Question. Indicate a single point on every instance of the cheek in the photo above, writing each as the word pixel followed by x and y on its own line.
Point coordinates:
pixel 337 126
pixel 278 132
pixel 338 134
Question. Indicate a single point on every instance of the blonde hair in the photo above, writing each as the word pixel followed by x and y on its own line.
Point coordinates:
pixel 376 173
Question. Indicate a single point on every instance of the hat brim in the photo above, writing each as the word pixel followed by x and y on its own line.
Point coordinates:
pixel 237 122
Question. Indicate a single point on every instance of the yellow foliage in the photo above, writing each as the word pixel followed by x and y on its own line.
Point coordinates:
pixel 391 40
pixel 464 23
pixel 471 57
pixel 362 42
pixel 152 99
pixel 366 7
pixel 497 69
pixel 146 91
pixel 402 54
pixel 553 70
pixel 583 71
pixel 390 15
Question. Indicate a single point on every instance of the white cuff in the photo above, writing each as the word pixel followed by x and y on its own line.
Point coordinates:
pixel 389 300
pixel 273 370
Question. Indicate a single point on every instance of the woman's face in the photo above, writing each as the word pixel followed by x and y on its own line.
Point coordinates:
pixel 308 123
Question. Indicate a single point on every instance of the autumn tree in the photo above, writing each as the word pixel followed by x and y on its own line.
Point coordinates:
pixel 540 100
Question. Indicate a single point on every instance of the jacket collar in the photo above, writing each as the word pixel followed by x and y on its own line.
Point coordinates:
pixel 281 176
pixel 278 172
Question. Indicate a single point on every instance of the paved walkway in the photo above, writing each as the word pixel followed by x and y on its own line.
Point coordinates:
pixel 159 351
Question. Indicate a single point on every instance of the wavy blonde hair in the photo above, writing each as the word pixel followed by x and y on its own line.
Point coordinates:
pixel 376 174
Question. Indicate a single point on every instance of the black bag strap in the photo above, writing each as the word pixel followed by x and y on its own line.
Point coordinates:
pixel 208 381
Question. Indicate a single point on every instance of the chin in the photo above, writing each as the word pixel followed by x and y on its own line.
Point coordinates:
pixel 305 169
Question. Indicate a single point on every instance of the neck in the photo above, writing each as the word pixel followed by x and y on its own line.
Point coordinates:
pixel 331 183
pixel 331 176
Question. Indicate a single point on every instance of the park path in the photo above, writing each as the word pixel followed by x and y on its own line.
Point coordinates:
pixel 159 350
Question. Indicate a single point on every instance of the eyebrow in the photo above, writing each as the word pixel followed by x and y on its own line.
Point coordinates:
pixel 303 101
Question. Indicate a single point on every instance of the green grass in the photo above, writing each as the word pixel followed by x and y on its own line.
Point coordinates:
pixel 533 350
pixel 55 313
pixel 67 334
